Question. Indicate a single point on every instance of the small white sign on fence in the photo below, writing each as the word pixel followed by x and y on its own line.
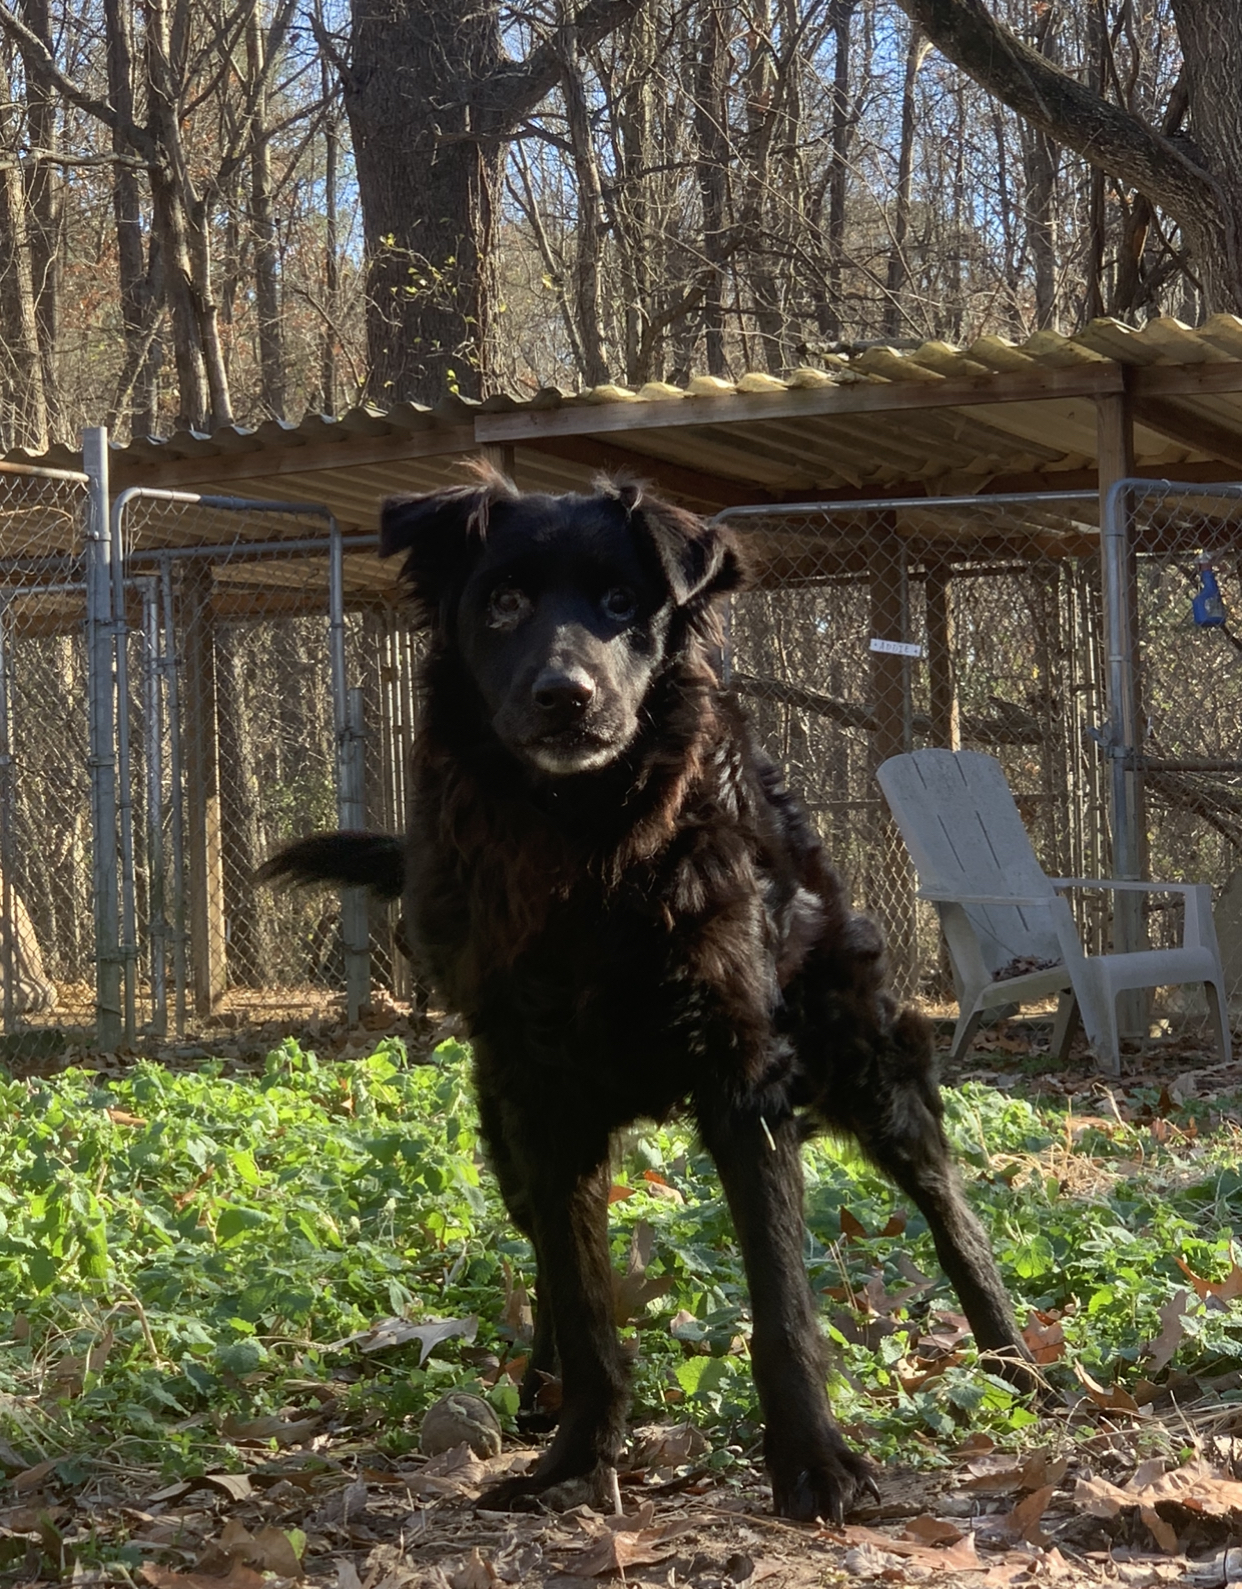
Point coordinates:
pixel 897 648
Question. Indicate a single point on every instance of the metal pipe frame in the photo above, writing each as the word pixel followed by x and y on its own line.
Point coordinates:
pixel 7 934
pixel 155 804
pixel 101 687
pixel 347 725
pixel 1124 748
pixel 168 672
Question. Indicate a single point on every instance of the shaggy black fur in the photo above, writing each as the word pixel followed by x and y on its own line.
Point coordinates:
pixel 605 877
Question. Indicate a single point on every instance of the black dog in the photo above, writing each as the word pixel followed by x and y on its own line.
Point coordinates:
pixel 604 876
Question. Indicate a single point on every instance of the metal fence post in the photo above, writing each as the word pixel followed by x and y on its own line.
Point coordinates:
pixel 350 794
pixel 125 791
pixel 101 689
pixel 8 929
pixel 1123 745
pixel 168 664
pixel 355 918
pixel 154 725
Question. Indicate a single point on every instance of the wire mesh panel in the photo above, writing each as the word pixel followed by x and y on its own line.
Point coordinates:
pixel 47 937
pixel 1185 561
pixel 234 728
pixel 876 629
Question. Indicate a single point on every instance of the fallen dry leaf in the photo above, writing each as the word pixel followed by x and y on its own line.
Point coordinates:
pixel 239 1577
pixel 673 1446
pixel 1227 1289
pixel 959 1556
pixel 993 1474
pixel 474 1573
pixel 615 1551
pixel 1044 1337
pixel 283 1431
pixel 1114 1399
pixel 852 1228
pixel 384 1334
pixel 928 1530
pixel 1167 1342
pixel 1196 1486
pixel 32 1478
pixel 1164 1534
pixel 1023 1521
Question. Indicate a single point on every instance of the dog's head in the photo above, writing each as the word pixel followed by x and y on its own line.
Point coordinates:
pixel 564 609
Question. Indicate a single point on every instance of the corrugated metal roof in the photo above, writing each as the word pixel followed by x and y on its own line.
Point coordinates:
pixel 934 419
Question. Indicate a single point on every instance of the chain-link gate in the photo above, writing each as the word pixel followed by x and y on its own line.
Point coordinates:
pixel 241 729
pixel 969 623
pixel 47 920
pixel 1176 733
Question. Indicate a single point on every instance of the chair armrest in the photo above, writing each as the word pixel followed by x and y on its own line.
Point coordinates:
pixel 1125 884
pixel 938 896
pixel 1198 930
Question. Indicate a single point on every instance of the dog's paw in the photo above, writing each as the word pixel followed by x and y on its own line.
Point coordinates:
pixel 825 1489
pixel 536 1420
pixel 533 1492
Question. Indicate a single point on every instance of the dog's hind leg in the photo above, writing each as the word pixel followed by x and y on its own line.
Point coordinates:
pixel 892 1105
pixel 814 1473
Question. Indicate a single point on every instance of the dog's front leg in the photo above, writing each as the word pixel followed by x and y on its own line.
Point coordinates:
pixel 814 1473
pixel 569 1218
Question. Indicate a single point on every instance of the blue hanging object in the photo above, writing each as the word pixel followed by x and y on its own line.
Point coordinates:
pixel 1207 604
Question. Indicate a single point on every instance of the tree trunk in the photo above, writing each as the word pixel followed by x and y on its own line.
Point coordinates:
pixel 27 424
pixel 426 176
pixel 45 214
pixel 137 285
pixel 829 310
pixel 331 249
pixel 711 112
pixel 898 265
pixel 263 225
pixel 590 218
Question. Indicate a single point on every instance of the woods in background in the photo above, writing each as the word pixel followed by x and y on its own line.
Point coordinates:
pixel 214 212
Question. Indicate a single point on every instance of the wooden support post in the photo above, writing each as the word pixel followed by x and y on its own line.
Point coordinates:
pixel 946 731
pixel 202 780
pixel 1115 454
pixel 893 901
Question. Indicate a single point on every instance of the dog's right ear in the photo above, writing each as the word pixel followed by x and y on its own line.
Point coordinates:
pixel 441 533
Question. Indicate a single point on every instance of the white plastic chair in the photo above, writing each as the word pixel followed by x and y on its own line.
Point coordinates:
pixel 961 826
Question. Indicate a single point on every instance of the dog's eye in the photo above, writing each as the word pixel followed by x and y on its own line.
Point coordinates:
pixel 508 606
pixel 620 603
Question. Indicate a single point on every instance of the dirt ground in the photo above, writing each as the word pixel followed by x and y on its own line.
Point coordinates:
pixel 1087 1503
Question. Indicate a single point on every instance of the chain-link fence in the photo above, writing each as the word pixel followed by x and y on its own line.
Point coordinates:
pixel 47 924
pixel 189 685
pixel 880 627
pixel 1178 732
pixel 242 729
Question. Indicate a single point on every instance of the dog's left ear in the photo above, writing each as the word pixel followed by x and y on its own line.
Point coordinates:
pixel 699 560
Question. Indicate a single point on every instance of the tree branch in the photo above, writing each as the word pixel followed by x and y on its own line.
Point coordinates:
pixel 518 86
pixel 1074 115
pixel 39 59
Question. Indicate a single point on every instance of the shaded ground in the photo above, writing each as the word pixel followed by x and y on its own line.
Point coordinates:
pixel 1127 1485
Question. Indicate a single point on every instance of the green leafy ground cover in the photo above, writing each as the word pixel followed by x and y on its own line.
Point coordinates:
pixel 181 1253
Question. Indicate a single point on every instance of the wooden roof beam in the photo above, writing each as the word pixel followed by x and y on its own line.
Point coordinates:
pixel 699 485
pixel 1192 430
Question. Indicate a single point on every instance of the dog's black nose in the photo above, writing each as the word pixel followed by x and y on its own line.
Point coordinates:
pixel 563 690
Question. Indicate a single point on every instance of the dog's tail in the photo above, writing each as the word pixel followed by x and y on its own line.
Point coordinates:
pixel 374 861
